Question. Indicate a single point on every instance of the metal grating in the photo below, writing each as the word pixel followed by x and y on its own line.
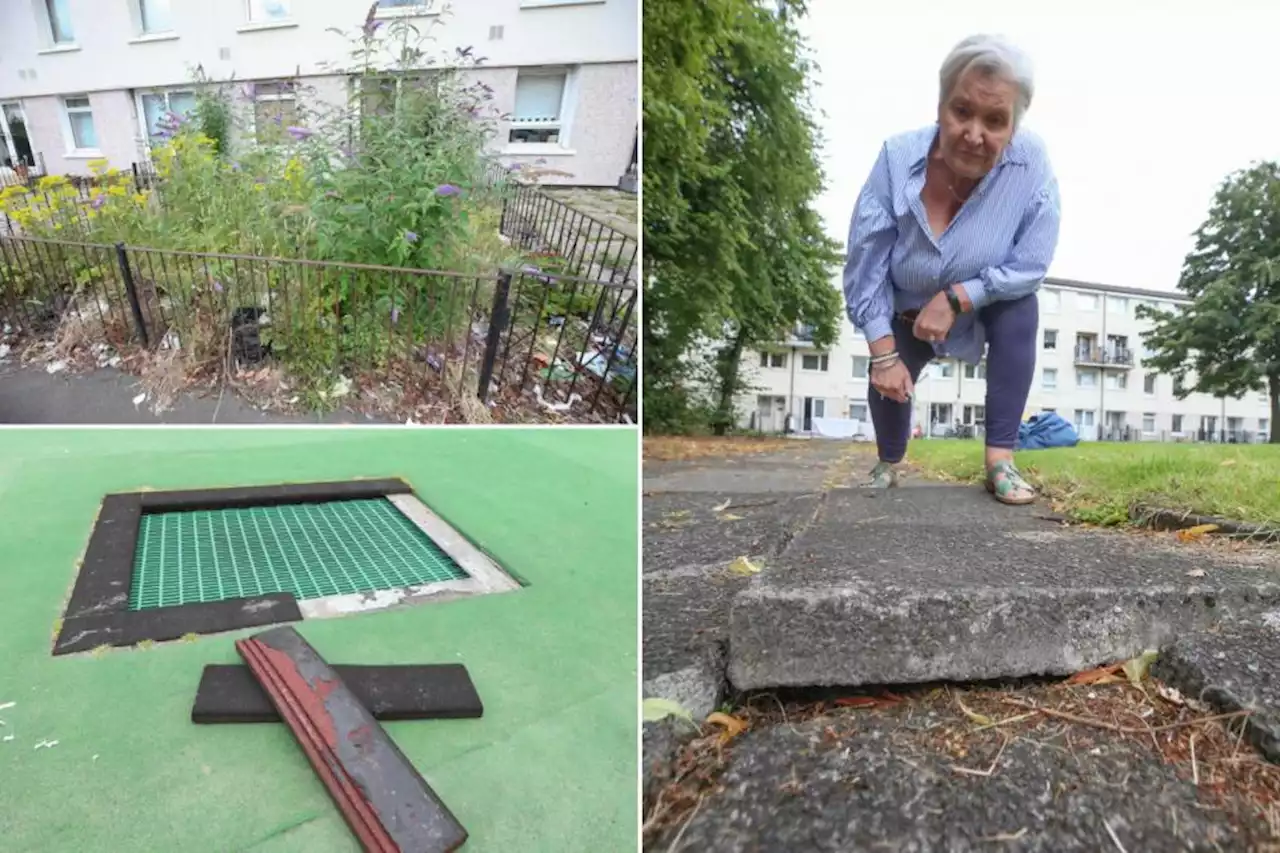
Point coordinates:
pixel 310 550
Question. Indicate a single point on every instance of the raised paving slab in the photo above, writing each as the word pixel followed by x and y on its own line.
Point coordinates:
pixel 862 782
pixel 1235 667
pixel 940 583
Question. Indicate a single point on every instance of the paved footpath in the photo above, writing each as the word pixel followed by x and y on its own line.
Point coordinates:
pixel 937 583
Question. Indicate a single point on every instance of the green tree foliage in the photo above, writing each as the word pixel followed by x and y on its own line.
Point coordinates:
pixel 734 253
pixel 1228 338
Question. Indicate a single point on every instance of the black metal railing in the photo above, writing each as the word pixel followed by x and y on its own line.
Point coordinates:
pixel 1107 356
pixel 589 247
pixel 532 343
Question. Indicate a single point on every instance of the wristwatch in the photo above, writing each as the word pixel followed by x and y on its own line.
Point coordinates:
pixel 954 301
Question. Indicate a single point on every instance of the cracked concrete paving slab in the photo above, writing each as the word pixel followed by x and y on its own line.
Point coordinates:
pixel 698 528
pixel 943 584
pixel 1235 667
pixel 802 470
pixel 865 782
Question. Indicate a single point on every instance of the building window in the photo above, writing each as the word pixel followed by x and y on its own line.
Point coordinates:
pixel 858 412
pixel 1084 419
pixel 1177 423
pixel 1117 381
pixel 266 11
pixel 946 369
pixel 1148 422
pixel 1087 301
pixel 1149 384
pixel 773 359
pixel 1050 300
pixel 59 12
pixel 814 362
pixel 539 116
pixel 975 415
pixel 154 105
pixel 1263 423
pixel 154 16
pixel 860 366
pixel 975 371
pixel 275 109
pixel 404 7
pixel 1086 379
pixel 1050 339
pixel 1178 385
pixel 81 135
pixel 1118 304
pixel 1049 379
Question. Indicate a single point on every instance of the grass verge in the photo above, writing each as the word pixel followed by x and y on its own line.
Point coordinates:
pixel 1098 483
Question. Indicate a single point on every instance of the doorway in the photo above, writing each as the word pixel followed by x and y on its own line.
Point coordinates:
pixel 13 133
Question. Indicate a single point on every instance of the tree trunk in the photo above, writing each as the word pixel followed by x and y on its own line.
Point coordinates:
pixel 729 359
pixel 1273 385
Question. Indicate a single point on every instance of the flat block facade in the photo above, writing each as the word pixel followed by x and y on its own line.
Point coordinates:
pixel 87 79
pixel 1089 369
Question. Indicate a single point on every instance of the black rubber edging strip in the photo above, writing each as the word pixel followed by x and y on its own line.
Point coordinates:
pixel 1157 518
pixel 157 624
pixel 98 613
pixel 228 693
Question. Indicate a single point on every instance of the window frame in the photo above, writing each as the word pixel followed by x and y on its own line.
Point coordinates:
pixel 143 31
pixel 1044 340
pixel 251 20
pixel 288 94
pixel 824 362
pixel 865 362
pixel 1044 386
pixel 564 122
pixel 68 129
pixel 1152 417
pixel 52 26
pixel 417 9
pixel 141 110
pixel 1154 377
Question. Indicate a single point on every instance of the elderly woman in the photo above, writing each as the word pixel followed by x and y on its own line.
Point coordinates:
pixel 951 237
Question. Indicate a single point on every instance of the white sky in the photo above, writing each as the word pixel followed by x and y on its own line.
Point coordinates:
pixel 1144 107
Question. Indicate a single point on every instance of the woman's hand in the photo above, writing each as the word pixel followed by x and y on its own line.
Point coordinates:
pixel 934 321
pixel 893 380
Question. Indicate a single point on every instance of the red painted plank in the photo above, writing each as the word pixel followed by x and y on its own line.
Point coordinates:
pixel 384 800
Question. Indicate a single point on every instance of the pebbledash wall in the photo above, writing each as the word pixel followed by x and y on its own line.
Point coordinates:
pixel 115 52
pixel 1089 369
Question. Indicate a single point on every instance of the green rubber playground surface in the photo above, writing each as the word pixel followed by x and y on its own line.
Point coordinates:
pixel 552 764
pixel 310 550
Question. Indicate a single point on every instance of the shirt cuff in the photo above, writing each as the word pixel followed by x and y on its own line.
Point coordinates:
pixel 976 290
pixel 877 328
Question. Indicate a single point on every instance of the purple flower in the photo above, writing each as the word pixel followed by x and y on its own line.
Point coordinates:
pixel 411 236
pixel 217 285
pixel 98 202
pixel 300 133
pixel 235 166
pixel 395 314
pixel 447 190
pixel 248 91
pixel 515 167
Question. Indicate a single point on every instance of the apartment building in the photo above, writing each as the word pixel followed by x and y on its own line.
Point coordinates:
pixel 88 79
pixel 1089 369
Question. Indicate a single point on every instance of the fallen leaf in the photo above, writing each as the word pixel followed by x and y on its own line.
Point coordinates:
pixel 1174 697
pixel 722 507
pixel 1101 675
pixel 732 725
pixel 728 516
pixel 1226 462
pixel 974 716
pixel 654 709
pixel 1137 668
pixel 1198 532
pixel 1196 573
pixel 743 566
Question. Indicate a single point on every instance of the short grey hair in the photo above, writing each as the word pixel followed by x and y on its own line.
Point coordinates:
pixel 993 54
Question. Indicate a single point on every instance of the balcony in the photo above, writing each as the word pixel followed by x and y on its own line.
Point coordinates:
pixel 1087 356
pixel 800 337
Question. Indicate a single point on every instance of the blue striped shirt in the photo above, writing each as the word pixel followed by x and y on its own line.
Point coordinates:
pixel 998 246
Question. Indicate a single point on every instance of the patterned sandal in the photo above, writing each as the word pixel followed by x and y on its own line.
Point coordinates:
pixel 883 476
pixel 1006 484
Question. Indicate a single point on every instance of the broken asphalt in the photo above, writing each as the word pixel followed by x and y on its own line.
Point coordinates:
pixel 932 583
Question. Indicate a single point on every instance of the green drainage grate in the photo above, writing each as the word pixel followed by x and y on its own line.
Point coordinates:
pixel 310 550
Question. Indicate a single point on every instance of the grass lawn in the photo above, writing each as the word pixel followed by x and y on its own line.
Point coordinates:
pixel 1098 482
pixel 551 765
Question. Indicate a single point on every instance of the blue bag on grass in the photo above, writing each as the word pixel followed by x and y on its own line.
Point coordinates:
pixel 1045 430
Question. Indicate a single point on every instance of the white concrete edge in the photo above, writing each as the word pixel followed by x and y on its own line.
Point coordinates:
pixel 471 559
pixel 361 602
